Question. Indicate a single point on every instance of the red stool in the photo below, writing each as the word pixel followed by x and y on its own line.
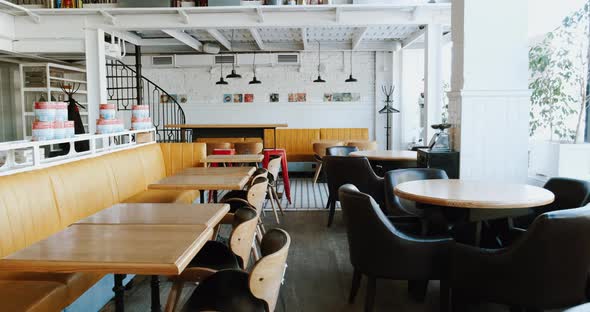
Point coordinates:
pixel 284 168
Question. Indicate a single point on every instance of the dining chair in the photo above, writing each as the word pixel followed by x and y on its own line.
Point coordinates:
pixel 319 150
pixel 213 146
pixel 215 256
pixel 341 170
pixel 379 250
pixel 243 148
pixel 363 145
pixel 546 268
pixel 340 150
pixel 274 165
pixel 236 290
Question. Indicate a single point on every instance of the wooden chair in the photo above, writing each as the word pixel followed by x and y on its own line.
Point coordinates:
pixel 215 256
pixel 212 146
pixel 319 150
pixel 273 175
pixel 363 145
pixel 236 290
pixel 243 148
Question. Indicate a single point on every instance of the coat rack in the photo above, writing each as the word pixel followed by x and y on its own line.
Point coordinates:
pixel 74 113
pixel 388 109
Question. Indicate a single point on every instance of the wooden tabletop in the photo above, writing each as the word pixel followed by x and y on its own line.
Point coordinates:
pixel 474 194
pixel 119 249
pixel 163 214
pixel 227 126
pixel 387 155
pixel 244 158
pixel 219 171
pixel 200 182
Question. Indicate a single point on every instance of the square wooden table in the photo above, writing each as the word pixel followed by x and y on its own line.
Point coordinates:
pixel 114 248
pixel 163 214
pixel 200 182
pixel 219 171
pixel 244 158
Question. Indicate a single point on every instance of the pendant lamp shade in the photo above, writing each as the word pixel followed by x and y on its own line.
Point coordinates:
pixel 319 79
pixel 233 73
pixel 254 80
pixel 221 81
pixel 350 78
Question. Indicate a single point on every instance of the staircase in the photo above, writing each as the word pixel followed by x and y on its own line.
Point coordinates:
pixel 126 88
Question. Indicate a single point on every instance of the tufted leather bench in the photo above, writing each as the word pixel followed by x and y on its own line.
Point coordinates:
pixel 37 204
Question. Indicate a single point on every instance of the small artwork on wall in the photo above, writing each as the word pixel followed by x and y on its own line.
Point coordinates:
pixel 238 98
pixel 274 97
pixel 297 97
pixel 342 97
pixel 248 97
pixel 328 97
pixel 227 98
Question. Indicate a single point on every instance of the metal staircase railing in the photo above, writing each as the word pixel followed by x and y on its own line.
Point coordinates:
pixel 126 88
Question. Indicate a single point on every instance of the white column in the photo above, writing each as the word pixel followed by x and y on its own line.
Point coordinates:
pixel 396 128
pixel 432 79
pixel 96 74
pixel 489 98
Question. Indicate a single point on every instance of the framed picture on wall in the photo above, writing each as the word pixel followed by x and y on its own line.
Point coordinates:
pixel 297 97
pixel 274 97
pixel 238 98
pixel 227 98
pixel 248 97
pixel 328 97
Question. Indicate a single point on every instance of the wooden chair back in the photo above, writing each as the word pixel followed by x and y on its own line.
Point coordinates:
pixel 364 145
pixel 274 165
pixel 319 148
pixel 248 148
pixel 215 145
pixel 257 193
pixel 243 233
pixel 267 275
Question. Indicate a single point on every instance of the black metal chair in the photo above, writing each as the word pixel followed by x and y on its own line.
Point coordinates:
pixel 341 170
pixel 379 250
pixel 546 268
pixel 340 150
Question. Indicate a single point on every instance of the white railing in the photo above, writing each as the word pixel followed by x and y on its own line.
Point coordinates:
pixel 21 156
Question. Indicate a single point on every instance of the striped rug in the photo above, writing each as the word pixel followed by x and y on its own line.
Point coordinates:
pixel 305 195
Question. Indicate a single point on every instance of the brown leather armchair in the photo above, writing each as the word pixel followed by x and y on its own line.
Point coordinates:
pixel 341 170
pixel 379 250
pixel 545 269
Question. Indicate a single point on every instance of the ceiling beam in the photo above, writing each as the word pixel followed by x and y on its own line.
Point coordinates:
pixel 217 35
pixel 185 38
pixel 338 14
pixel 128 36
pixel 257 38
pixel 304 39
pixel 357 38
pixel 109 17
pixel 413 38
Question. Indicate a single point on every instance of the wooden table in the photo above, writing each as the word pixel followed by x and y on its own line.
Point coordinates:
pixel 226 130
pixel 485 200
pixel 113 248
pixel 201 183
pixel 163 214
pixel 219 171
pixel 244 159
pixel 386 155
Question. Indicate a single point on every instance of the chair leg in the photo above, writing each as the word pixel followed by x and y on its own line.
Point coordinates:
pixel 272 204
pixel 255 251
pixel 356 282
pixel 370 299
pixel 276 195
pixel 174 296
pixel 332 212
pixel 316 175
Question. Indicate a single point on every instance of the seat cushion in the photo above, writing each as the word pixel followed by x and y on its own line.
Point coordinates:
pixel 32 296
pixel 163 196
pixel 76 283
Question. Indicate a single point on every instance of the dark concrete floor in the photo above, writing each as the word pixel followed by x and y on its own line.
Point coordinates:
pixel 318 276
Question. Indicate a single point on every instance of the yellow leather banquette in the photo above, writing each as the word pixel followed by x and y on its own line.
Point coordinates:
pixel 37 204
pixel 298 143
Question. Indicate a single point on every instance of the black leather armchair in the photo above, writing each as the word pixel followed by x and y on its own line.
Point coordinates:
pixel 379 250
pixel 401 207
pixel 545 269
pixel 341 170
pixel 340 150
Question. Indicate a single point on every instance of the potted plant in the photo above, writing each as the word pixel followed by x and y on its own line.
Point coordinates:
pixel 560 97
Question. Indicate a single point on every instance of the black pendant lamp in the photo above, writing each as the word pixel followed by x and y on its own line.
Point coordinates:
pixel 254 80
pixel 221 81
pixel 320 80
pixel 233 65
pixel 350 78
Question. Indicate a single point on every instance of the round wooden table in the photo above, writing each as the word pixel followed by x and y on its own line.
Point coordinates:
pixel 485 200
pixel 383 155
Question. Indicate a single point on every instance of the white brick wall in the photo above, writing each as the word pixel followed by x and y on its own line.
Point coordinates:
pixel 205 99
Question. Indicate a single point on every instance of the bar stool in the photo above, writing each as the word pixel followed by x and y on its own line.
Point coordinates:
pixel 279 152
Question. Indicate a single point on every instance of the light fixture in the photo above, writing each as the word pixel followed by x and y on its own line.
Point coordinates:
pixel 319 63
pixel 233 65
pixel 254 80
pixel 221 81
pixel 350 78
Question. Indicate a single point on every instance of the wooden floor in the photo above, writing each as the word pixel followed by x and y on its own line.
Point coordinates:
pixel 319 274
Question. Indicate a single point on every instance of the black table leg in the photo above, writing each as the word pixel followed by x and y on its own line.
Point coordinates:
pixel 202 196
pixel 215 196
pixel 119 290
pixel 155 285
